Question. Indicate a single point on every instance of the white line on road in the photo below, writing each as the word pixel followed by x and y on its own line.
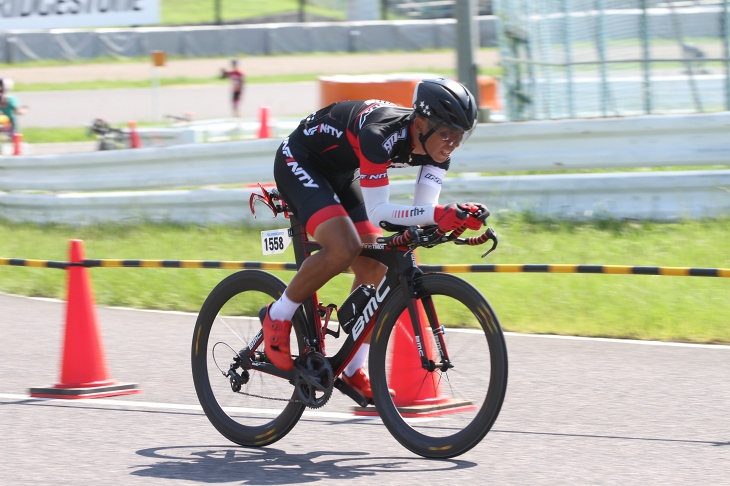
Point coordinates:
pixel 177 406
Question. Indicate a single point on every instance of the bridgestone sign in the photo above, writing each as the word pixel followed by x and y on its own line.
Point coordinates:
pixel 58 14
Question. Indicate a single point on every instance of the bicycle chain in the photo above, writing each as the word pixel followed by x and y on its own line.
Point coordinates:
pixel 290 400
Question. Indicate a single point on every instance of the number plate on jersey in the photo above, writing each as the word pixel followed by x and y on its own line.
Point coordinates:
pixel 275 241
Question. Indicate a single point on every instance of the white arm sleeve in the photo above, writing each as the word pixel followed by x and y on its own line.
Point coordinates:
pixel 426 192
pixel 428 185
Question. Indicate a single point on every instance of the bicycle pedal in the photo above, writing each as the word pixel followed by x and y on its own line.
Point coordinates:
pixel 352 393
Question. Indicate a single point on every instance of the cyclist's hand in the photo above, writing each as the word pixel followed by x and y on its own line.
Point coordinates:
pixel 452 216
pixel 476 210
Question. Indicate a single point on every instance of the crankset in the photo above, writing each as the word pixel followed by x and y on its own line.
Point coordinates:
pixel 315 379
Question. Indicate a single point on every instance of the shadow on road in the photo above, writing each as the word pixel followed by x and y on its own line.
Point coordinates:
pixel 220 464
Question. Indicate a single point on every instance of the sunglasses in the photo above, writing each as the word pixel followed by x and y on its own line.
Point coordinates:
pixel 452 137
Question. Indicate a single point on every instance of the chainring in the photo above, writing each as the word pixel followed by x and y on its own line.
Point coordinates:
pixel 315 379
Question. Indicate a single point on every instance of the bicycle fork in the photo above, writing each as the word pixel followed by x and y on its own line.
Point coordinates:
pixel 412 302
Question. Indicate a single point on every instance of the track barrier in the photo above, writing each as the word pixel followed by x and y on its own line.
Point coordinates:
pixel 396 88
pixel 452 268
pixel 84 370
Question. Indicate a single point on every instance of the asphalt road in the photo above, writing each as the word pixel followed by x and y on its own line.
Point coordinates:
pixel 578 411
pixel 287 100
pixel 119 106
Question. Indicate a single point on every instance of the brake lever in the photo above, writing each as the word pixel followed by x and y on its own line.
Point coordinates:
pixel 491 235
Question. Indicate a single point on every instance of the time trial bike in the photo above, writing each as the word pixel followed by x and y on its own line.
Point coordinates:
pixel 435 341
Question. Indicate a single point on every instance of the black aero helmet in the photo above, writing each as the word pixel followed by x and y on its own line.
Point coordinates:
pixel 446 102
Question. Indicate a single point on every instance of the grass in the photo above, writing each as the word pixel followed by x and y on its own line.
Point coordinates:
pixel 691 309
pixel 68 134
pixel 56 135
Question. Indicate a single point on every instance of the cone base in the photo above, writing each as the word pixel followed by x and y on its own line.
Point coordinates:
pixel 61 391
pixel 412 411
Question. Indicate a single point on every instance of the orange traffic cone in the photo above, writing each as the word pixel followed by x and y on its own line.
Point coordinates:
pixel 417 391
pixel 84 372
pixel 264 128
pixel 413 385
pixel 17 144
pixel 134 140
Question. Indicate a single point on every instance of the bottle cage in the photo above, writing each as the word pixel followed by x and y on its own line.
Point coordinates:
pixel 272 200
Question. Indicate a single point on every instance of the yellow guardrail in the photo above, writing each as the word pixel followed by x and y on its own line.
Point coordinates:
pixel 479 268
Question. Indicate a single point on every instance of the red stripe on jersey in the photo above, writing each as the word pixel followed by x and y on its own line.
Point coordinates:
pixel 368 228
pixel 367 107
pixel 371 174
pixel 323 215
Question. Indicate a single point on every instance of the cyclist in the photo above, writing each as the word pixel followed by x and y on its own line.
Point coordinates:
pixel 316 167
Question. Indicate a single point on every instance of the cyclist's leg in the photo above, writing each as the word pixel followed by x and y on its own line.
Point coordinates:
pixel 340 246
pixel 236 101
pixel 367 271
pixel 322 202
pixel 313 198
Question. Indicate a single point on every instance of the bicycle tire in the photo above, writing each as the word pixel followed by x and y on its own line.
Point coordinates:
pixel 266 408
pixel 439 414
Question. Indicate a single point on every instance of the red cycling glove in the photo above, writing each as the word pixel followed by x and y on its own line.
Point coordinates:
pixel 453 216
pixel 476 210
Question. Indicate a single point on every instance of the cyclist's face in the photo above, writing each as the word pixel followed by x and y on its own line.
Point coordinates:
pixel 442 142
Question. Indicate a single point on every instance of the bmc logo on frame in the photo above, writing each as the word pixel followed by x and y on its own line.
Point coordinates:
pixel 370 309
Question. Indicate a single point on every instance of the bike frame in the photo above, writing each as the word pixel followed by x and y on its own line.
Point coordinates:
pixel 402 271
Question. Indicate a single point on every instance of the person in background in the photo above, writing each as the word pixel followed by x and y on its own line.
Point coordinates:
pixel 10 107
pixel 237 78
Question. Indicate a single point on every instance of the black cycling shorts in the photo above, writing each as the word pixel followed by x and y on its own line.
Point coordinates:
pixel 316 195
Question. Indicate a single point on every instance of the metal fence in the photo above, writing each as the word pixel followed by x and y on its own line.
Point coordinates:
pixel 599 58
